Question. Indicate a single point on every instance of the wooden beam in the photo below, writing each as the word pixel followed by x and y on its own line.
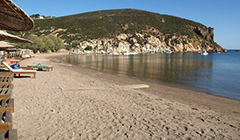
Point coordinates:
pixel 5 126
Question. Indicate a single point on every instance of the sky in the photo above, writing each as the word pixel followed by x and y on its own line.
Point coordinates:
pixel 222 15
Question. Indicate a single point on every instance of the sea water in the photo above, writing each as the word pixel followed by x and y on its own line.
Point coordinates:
pixel 216 73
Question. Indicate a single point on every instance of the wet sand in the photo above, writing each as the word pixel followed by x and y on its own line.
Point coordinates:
pixel 77 103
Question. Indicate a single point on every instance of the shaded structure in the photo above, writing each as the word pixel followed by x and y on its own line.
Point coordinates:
pixel 7 36
pixel 14 18
pixel 7 49
pixel 5 45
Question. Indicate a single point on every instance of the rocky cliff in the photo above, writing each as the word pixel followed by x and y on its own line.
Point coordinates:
pixel 153 40
pixel 129 30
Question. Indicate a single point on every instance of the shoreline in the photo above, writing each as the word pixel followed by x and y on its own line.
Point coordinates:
pixel 211 86
pixel 159 111
pixel 207 100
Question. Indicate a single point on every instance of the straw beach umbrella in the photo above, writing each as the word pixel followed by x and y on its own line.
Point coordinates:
pixel 5 45
pixel 14 18
pixel 8 49
pixel 7 36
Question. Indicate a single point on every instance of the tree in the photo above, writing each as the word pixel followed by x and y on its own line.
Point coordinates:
pixel 58 43
pixel 48 43
pixel 44 43
pixel 35 16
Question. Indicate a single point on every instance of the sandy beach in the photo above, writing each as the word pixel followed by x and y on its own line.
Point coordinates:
pixel 72 103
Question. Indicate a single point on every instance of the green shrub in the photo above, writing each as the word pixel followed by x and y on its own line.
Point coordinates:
pixel 88 48
pixel 44 43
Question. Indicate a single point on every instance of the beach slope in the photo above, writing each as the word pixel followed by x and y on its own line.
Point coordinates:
pixel 76 103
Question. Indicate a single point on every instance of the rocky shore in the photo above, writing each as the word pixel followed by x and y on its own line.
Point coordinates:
pixel 45 108
pixel 152 40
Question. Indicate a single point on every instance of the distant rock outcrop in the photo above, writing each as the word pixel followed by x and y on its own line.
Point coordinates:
pixel 206 34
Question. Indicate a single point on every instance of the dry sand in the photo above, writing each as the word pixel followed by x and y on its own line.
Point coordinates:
pixel 45 108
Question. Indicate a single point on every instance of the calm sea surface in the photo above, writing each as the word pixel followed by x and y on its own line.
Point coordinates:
pixel 216 73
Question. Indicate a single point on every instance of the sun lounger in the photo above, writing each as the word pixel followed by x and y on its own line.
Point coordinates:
pixel 6 124
pixel 6 77
pixel 9 134
pixel 6 91
pixel 19 71
pixel 40 67
pixel 7 104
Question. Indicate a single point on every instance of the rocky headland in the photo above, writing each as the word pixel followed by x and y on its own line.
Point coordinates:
pixel 128 30
pixel 152 40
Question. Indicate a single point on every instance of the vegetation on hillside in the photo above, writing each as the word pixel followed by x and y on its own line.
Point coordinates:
pixel 109 23
pixel 44 43
pixel 38 16
pixel 105 24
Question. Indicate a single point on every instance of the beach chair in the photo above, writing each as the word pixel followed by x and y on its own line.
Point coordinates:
pixel 41 67
pixel 19 71
pixel 6 77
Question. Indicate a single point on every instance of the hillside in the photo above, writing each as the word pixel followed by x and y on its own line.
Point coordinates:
pixel 134 28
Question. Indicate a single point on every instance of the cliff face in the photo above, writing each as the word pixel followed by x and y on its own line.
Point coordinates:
pixel 129 30
pixel 152 40
pixel 207 34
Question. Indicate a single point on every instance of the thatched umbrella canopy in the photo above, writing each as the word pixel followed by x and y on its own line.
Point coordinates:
pixel 7 36
pixel 11 49
pixel 14 18
pixel 5 45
